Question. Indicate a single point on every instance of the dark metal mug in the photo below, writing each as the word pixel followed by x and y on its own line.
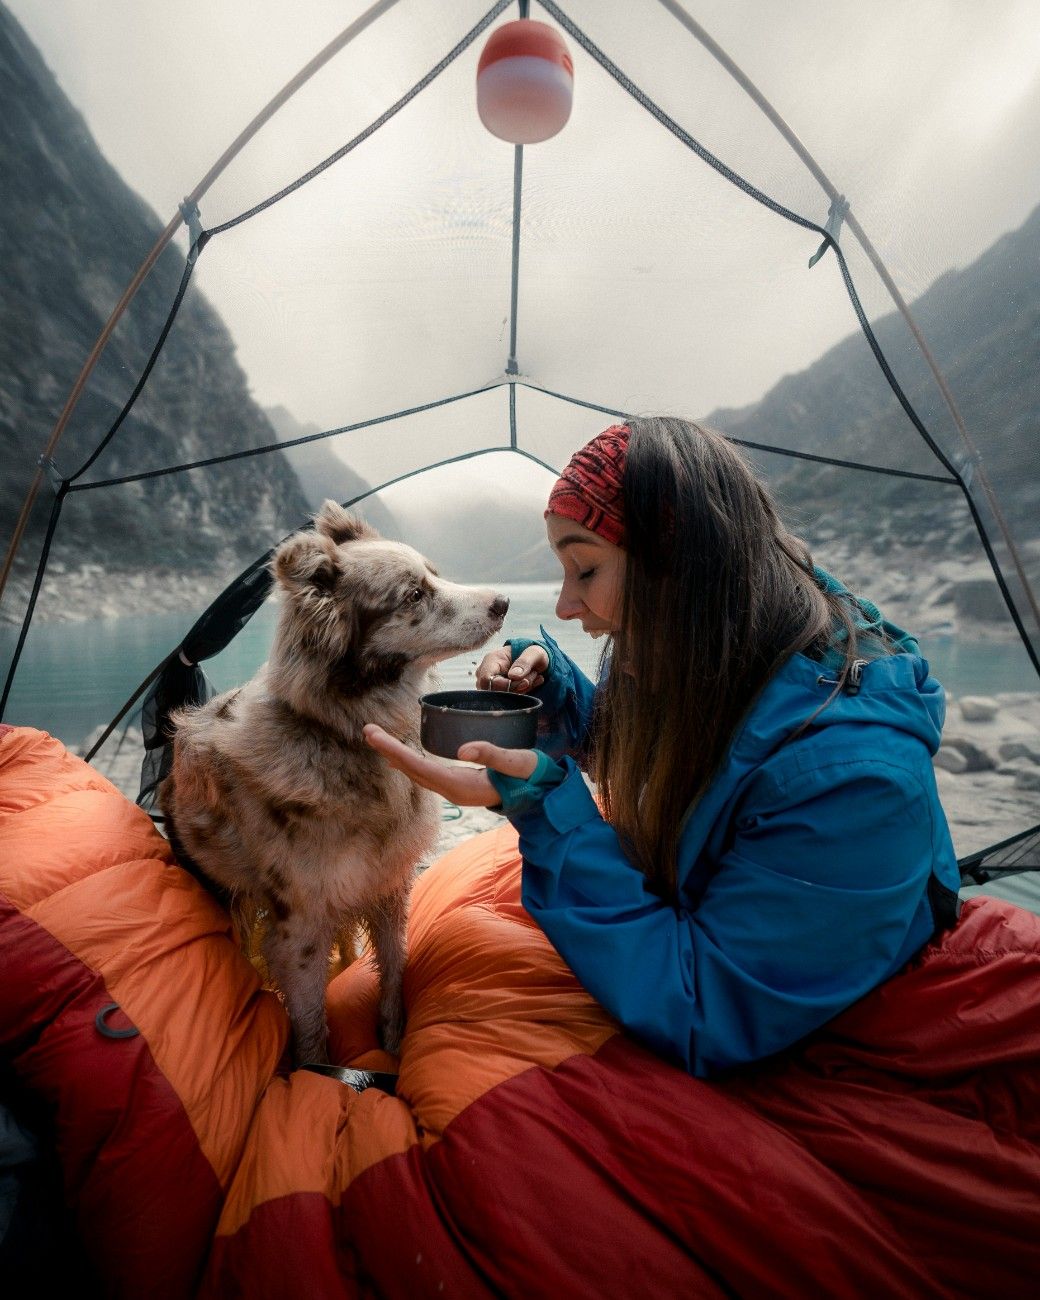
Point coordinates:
pixel 451 718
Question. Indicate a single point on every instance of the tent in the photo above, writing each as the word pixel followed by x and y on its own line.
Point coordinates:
pixel 811 225
pixel 817 237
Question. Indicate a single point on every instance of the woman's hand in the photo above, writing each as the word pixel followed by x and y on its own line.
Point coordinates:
pixel 497 672
pixel 466 786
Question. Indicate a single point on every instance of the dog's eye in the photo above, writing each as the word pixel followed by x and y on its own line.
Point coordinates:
pixel 414 596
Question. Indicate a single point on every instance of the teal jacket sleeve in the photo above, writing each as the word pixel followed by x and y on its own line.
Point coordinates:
pixel 821 896
pixel 568 699
pixel 517 794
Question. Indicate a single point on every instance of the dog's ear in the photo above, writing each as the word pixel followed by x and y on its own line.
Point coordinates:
pixel 340 526
pixel 306 560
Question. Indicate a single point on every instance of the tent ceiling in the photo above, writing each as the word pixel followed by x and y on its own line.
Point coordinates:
pixel 647 280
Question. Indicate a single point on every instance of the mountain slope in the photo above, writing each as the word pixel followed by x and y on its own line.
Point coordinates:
pixel 911 544
pixel 322 474
pixel 73 235
pixel 982 323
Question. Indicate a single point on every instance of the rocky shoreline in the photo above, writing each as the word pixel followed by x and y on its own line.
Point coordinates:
pixel 957 597
pixel 987 770
pixel 988 767
pixel 82 593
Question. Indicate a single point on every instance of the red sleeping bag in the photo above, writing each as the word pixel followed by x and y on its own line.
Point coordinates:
pixel 532 1149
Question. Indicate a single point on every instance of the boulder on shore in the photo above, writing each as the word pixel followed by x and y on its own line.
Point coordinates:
pixel 979 708
pixel 977 758
pixel 950 760
pixel 1026 777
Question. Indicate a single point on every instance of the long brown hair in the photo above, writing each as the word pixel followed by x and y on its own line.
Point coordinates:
pixel 717 595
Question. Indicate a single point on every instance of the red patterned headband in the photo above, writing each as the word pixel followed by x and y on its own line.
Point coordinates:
pixel 589 489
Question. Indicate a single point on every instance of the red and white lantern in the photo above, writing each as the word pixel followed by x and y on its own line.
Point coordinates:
pixel 525 82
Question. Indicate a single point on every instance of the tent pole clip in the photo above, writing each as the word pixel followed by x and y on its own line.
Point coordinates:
pixel 966 466
pixel 836 215
pixel 193 220
pixel 53 473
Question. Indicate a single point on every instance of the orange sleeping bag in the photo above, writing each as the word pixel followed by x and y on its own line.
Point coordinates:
pixel 532 1149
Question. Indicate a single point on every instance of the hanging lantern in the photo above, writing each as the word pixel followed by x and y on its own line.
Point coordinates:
pixel 525 82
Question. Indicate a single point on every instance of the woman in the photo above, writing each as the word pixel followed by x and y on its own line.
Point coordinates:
pixel 767 843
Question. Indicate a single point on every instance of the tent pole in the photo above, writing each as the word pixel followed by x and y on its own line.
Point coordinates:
pixel 272 107
pixel 747 85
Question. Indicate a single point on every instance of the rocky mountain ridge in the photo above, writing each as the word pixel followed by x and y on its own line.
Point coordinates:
pixel 72 235
pixel 322 474
pixel 911 545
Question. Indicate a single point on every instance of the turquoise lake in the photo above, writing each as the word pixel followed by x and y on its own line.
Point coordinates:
pixel 75 676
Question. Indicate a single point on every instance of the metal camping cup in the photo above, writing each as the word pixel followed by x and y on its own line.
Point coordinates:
pixel 451 718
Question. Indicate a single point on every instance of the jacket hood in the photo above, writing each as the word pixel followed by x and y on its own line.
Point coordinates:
pixel 896 691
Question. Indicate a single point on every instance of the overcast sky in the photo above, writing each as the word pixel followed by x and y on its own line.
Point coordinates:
pixel 926 113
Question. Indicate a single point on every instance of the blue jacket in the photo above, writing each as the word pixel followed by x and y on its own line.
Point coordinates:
pixel 803 870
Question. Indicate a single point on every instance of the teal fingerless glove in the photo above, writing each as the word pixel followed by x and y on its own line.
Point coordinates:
pixel 518 794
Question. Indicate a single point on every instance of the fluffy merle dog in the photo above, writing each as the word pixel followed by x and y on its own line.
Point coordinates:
pixel 276 797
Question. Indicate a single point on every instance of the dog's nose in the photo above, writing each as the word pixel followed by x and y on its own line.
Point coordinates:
pixel 498 607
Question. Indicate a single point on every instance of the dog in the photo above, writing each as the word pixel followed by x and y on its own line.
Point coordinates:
pixel 275 796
